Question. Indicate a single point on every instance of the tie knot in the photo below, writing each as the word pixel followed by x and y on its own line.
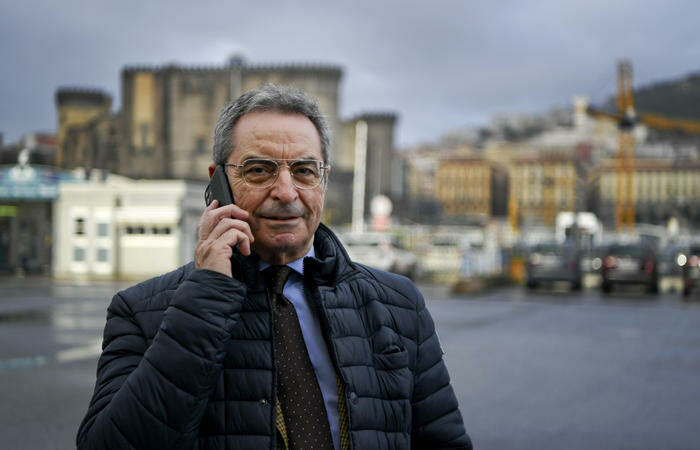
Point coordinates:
pixel 275 277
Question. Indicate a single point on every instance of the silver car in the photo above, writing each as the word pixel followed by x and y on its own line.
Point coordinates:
pixel 380 250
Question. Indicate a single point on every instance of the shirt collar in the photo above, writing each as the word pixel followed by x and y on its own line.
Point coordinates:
pixel 297 265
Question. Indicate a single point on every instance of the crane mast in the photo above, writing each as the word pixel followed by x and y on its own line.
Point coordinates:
pixel 626 188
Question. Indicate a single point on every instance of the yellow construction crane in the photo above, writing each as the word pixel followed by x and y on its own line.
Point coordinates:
pixel 627 117
pixel 624 206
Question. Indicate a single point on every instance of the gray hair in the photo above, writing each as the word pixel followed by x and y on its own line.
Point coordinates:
pixel 267 98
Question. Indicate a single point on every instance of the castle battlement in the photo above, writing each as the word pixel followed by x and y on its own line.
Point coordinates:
pixel 140 68
pixel 175 68
pixel 376 116
pixel 318 68
pixel 330 69
pixel 81 95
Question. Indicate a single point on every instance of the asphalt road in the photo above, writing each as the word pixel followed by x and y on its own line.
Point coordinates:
pixel 539 370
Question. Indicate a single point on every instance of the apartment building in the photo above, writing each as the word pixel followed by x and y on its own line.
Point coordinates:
pixel 463 185
pixel 542 185
pixel 661 189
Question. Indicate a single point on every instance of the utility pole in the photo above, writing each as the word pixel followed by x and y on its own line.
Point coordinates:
pixel 359 177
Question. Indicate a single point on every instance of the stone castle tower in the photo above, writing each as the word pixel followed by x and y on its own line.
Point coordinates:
pixel 164 129
pixel 168 114
pixel 78 109
pixel 380 160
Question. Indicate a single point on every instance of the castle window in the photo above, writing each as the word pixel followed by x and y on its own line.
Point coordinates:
pixel 201 145
pixel 144 136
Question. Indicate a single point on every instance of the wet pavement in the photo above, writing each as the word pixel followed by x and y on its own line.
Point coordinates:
pixel 546 369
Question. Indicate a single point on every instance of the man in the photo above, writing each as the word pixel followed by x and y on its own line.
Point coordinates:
pixel 223 353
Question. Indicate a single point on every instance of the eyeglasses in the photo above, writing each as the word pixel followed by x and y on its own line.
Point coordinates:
pixel 262 173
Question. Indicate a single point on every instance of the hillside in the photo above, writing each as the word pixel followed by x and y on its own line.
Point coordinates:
pixel 680 98
pixel 675 98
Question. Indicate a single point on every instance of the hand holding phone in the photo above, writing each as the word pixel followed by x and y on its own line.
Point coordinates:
pixel 222 227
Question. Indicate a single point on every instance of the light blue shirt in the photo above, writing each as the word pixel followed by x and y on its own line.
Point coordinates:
pixel 315 343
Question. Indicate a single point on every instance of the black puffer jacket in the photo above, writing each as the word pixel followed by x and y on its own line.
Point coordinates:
pixel 187 360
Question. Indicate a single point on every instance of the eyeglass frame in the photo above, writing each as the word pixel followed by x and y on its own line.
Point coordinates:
pixel 323 167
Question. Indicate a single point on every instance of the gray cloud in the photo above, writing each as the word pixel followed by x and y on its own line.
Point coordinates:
pixel 438 64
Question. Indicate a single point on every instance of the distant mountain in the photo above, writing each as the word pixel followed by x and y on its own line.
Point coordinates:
pixel 680 98
pixel 674 98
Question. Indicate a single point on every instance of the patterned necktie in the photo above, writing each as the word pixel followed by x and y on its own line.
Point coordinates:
pixel 297 386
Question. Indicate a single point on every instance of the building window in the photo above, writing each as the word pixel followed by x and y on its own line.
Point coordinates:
pixel 160 230
pixel 151 230
pixel 135 229
pixel 78 254
pixel 102 255
pixel 79 229
pixel 102 230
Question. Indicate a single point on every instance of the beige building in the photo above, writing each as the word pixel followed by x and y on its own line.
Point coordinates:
pixel 455 185
pixel 541 186
pixel 662 189
pixel 463 186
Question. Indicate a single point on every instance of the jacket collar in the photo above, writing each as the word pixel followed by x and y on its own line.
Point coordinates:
pixel 331 258
pixel 330 262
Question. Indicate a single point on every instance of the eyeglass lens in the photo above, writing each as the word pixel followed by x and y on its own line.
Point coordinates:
pixel 264 172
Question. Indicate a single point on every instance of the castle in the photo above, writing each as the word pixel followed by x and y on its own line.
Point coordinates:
pixel 164 129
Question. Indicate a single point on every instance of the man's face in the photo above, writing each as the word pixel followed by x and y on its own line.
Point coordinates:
pixel 282 217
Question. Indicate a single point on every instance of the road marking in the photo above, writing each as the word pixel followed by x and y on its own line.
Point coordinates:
pixel 30 362
pixel 92 349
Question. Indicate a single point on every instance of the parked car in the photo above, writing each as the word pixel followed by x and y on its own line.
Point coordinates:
pixel 551 261
pixel 441 257
pixel 630 263
pixel 380 250
pixel 690 263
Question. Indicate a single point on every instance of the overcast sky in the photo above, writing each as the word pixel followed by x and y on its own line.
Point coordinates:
pixel 440 65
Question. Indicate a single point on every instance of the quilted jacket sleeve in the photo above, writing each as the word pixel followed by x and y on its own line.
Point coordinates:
pixel 153 397
pixel 437 422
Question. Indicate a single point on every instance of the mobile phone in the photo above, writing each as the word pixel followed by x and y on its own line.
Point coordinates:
pixel 218 188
